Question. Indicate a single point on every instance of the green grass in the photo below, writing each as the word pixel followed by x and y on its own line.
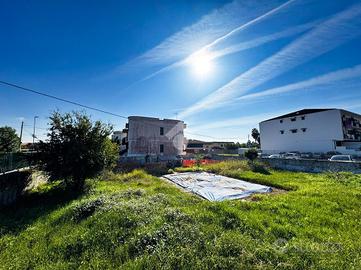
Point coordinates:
pixel 137 221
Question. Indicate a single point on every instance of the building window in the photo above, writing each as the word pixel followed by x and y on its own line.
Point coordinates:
pixel 303 117
pixel 281 121
pixel 303 129
pixel 293 119
pixel 161 148
pixel 293 130
pixel 161 131
pixel 282 131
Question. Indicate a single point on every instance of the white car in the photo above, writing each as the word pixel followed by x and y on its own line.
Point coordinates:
pixel 291 156
pixel 343 158
pixel 275 156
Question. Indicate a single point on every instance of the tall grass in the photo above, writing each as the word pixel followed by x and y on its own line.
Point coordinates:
pixel 138 221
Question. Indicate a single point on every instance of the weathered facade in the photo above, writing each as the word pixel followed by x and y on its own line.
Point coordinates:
pixel 153 137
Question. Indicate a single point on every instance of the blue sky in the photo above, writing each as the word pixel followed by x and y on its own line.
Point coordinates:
pixel 221 66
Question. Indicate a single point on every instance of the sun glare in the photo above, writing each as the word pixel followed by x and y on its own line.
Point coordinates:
pixel 201 64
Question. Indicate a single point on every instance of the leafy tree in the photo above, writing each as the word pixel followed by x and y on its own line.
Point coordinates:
pixel 76 148
pixel 251 154
pixel 9 140
pixel 256 135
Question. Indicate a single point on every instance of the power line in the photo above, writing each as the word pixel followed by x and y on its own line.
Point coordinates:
pixel 211 137
pixel 60 99
pixel 87 107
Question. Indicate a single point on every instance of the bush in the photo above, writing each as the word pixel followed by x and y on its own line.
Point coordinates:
pixel 259 167
pixel 251 154
pixel 76 149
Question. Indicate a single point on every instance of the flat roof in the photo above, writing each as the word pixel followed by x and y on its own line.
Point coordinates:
pixel 136 117
pixel 300 112
pixel 205 142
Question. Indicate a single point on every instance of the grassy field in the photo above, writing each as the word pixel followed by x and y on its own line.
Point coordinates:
pixel 137 221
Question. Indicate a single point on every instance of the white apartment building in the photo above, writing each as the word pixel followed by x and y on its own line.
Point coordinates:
pixel 312 130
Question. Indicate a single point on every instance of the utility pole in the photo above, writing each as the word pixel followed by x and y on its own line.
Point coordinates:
pixel 21 134
pixel 34 131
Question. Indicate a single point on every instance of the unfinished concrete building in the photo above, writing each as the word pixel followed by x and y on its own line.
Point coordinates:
pixel 153 138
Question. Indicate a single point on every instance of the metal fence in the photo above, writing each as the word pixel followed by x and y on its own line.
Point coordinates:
pixel 13 161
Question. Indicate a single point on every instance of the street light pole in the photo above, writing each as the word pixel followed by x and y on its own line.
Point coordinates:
pixel 21 133
pixel 34 131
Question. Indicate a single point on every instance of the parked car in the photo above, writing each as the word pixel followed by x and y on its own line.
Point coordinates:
pixel 291 156
pixel 343 158
pixel 274 156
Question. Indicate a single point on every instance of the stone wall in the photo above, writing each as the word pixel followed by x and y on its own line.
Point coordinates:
pixel 313 165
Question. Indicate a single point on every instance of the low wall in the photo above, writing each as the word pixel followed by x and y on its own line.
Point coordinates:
pixel 12 185
pixel 313 165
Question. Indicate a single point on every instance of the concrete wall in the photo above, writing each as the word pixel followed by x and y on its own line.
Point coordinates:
pixel 12 185
pixel 144 136
pixel 322 128
pixel 303 165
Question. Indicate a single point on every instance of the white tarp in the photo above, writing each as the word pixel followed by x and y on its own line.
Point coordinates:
pixel 215 187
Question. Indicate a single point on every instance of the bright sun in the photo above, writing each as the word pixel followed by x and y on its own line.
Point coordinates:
pixel 201 64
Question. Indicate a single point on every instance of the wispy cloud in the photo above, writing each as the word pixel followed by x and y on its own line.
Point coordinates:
pixel 337 30
pixel 263 40
pixel 214 54
pixel 326 79
pixel 237 122
pixel 206 33
pixel 253 120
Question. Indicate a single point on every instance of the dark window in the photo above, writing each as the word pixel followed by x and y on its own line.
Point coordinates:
pixel 281 121
pixel 302 117
pixel 303 129
pixel 282 131
pixel 161 130
pixel 161 148
pixel 293 130
pixel 293 119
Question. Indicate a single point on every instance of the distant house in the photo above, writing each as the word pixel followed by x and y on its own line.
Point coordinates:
pixel 197 146
pixel 121 137
pixel 312 130
pixel 152 138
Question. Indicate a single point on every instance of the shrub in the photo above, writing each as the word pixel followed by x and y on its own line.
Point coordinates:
pixel 251 154
pixel 258 167
pixel 76 148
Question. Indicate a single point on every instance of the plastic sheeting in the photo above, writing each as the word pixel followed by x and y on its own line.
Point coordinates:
pixel 215 187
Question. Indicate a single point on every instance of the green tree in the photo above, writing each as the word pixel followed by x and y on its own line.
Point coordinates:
pixel 76 148
pixel 9 140
pixel 256 135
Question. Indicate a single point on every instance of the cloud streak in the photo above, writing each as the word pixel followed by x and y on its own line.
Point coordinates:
pixel 263 40
pixel 236 48
pixel 339 29
pixel 208 29
pixel 253 120
pixel 179 48
pixel 326 79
